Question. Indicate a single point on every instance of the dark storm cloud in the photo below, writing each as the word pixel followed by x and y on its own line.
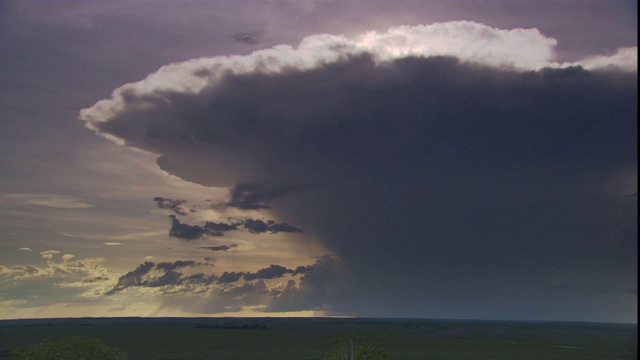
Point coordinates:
pixel 220 227
pixel 472 181
pixel 229 277
pixel 173 205
pixel 170 266
pixel 185 231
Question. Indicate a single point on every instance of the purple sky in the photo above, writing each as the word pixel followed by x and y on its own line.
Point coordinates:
pixel 459 159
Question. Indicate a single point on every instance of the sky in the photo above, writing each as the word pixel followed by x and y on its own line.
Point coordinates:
pixel 415 159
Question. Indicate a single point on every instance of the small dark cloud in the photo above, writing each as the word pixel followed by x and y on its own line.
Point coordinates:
pixel 273 271
pixel 442 170
pixel 259 226
pixel 172 205
pixel 219 247
pixel 170 266
pixel 184 231
pixel 229 277
pixel 132 278
pixel 250 37
pixel 218 229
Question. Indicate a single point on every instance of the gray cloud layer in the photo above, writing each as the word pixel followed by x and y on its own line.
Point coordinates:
pixel 446 184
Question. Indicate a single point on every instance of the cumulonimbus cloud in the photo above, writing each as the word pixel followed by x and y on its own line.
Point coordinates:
pixel 451 153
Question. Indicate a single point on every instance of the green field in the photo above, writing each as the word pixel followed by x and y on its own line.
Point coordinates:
pixel 272 338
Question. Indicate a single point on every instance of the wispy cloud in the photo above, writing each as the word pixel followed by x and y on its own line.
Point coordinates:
pixel 219 247
pixel 46 200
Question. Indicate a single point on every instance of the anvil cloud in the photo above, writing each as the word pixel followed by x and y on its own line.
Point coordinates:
pixel 455 169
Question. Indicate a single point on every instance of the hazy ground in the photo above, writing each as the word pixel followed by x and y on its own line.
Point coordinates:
pixel 236 338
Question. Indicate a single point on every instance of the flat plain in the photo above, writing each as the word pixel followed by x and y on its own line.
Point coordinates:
pixel 310 338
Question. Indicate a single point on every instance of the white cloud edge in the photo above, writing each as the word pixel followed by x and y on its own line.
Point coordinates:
pixel 625 59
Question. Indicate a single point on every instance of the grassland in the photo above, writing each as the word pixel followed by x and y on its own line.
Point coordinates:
pixel 272 338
